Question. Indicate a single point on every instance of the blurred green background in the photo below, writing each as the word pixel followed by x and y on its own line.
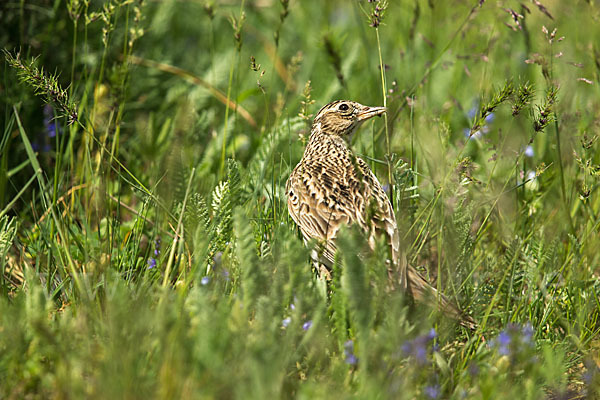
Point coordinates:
pixel 146 248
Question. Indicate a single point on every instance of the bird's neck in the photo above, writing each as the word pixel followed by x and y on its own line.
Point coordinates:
pixel 321 142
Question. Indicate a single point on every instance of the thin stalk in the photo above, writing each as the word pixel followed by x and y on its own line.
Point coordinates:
pixel 563 190
pixel 178 229
pixel 229 84
pixel 387 134
pixel 73 55
pixel 224 146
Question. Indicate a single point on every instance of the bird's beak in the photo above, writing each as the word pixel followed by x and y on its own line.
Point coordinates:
pixel 368 112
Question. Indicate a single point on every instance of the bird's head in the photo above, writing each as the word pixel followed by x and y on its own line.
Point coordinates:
pixel 342 117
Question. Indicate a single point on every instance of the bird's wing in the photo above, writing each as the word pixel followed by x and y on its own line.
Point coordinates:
pixel 318 215
pixel 378 217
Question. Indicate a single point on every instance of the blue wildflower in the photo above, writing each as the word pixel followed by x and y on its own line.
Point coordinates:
pixel 527 332
pixel 432 392
pixel 514 339
pixel 43 148
pixel 431 334
pixel 418 347
pixel 286 322
pixel 157 247
pixel 350 358
pixel 476 135
pixel 472 112
pixel 152 260
pixel 503 343
pixel 529 151
pixel 225 274
pixel 473 369
pixel 490 117
pixel 306 326
pixel 50 125
pixel 420 353
pixel 205 280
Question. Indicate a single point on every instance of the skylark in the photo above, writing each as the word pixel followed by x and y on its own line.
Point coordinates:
pixel 331 187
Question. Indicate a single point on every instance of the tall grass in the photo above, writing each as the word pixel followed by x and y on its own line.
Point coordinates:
pixel 145 245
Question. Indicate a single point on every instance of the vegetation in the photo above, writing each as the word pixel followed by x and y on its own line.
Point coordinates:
pixel 145 245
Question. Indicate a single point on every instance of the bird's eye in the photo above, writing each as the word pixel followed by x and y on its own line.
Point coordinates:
pixel 343 107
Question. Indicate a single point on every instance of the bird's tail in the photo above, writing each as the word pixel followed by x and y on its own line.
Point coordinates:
pixel 422 291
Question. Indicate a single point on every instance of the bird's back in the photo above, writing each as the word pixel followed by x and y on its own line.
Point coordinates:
pixel 331 187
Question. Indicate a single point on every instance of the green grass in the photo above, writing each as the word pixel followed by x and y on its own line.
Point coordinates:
pixel 146 250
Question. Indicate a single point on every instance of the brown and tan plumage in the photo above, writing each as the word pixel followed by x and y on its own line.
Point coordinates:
pixel 331 187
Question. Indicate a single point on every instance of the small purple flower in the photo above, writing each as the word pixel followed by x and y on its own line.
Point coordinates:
pixel 529 151
pixel 527 332
pixel 418 347
pixel 157 247
pixel 531 175
pixel 490 117
pixel 292 306
pixel 476 135
pixel 503 343
pixel 43 148
pixel 350 358
pixel 386 188
pixel 306 326
pixel 514 340
pixel 504 338
pixel 432 392
pixel 473 369
pixel 286 322
pixel 420 353
pixel 431 334
pixel 472 112
pixel 51 127
pixel 205 280
pixel 152 260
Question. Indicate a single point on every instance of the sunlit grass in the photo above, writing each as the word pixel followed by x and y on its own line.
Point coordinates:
pixel 145 244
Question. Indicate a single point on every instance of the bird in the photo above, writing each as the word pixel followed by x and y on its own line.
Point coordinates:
pixel 331 187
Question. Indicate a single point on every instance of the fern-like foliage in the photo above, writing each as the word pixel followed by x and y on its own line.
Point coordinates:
pixel 404 187
pixel 268 153
pixel 253 278
pixel 462 220
pixel 226 196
